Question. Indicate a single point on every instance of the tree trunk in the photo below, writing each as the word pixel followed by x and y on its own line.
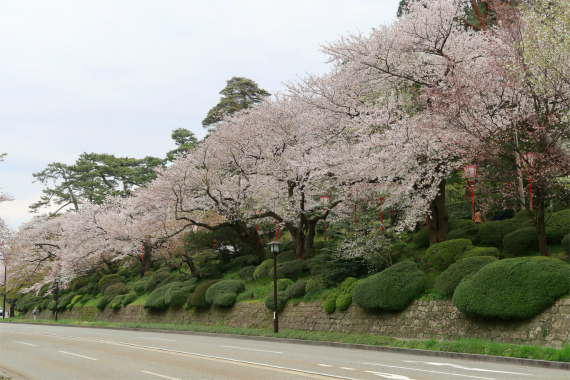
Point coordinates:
pixel 540 223
pixel 250 237
pixel 437 222
pixel 146 258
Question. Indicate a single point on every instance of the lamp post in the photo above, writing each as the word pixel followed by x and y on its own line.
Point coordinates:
pixel 275 248
pixel 470 175
pixel 528 159
pixel 56 295
pixel 324 200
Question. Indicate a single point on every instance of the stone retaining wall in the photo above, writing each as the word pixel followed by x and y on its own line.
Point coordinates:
pixel 421 320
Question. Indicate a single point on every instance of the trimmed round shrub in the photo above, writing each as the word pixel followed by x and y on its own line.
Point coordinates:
pixel 246 273
pixel 44 304
pixel 281 301
pixel 314 284
pixel 129 298
pixel 65 300
pixel 74 300
pixel 282 284
pixel 117 302
pixel 441 255
pixel 262 270
pixel 330 302
pixel 290 269
pixel 108 278
pixel 421 238
pixel 115 290
pixel 557 226
pixel 247 260
pixel 51 305
pixel 157 279
pixel 135 268
pixel 78 282
pixel 452 276
pixel 224 293
pixel 524 216
pixel 139 286
pixel 392 289
pixel 109 284
pixel 566 243
pixel 178 292
pixel 457 224
pixel 517 288
pixel 198 298
pixel 521 240
pixel 479 251
pixel 155 300
pixel 492 233
pixel 344 299
pixel 101 303
pixel 94 278
pixel 88 289
pixel 286 256
pixel 296 290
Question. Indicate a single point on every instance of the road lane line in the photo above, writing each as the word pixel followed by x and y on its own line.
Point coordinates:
pixel 29 344
pixel 467 368
pixel 168 340
pixel 389 375
pixel 425 370
pixel 158 374
pixel 252 349
pixel 96 333
pixel 325 365
pixel 350 369
pixel 81 356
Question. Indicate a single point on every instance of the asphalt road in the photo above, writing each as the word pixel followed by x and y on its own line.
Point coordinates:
pixel 64 352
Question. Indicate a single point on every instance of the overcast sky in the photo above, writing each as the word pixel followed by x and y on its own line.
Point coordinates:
pixel 117 76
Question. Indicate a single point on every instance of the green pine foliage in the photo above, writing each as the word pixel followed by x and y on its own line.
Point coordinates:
pixel 330 302
pixel 566 243
pixel 290 269
pixel 224 293
pixel 101 303
pixel 117 302
pixel 421 238
pixel 129 298
pixel 178 292
pixel 263 269
pixel 107 278
pixel 344 299
pixel 392 289
pixel 115 290
pixel 198 298
pixel 521 241
pixel 314 285
pixel 281 301
pixel 140 286
pixel 155 300
pixel 493 233
pixel 518 288
pixel 441 255
pixel 246 273
pixel 296 290
pixel 557 226
pixel 452 276
pixel 78 282
pixel 282 284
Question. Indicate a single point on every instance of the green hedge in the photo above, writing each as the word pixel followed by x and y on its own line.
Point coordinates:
pixel 157 278
pixel 288 255
pixel 224 293
pixel 108 278
pixel 198 298
pixel 330 303
pixel 290 269
pixel 314 284
pixel 155 300
pixel 441 255
pixel 452 276
pixel 521 241
pixel 479 251
pixel 282 284
pixel 296 290
pixel 129 298
pixel 281 301
pixel 65 300
pixel 101 303
pixel 517 288
pixel 263 269
pixel 566 243
pixel 457 224
pixel 557 226
pixel 78 282
pixel 177 292
pixel 115 290
pixel 246 273
pixel 344 299
pixel 139 286
pixel 421 238
pixel 492 233
pixel 117 302
pixel 392 289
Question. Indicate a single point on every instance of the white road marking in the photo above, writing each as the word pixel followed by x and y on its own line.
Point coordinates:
pixel 81 356
pixel 389 375
pixel 29 344
pixel 158 374
pixel 467 368
pixel 168 340
pixel 325 365
pixel 96 333
pixel 252 349
pixel 425 370
pixel 350 369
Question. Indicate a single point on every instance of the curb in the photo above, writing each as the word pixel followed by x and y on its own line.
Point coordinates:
pixel 408 351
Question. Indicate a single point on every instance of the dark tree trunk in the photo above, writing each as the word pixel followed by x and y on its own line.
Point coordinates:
pixel 540 223
pixel 303 235
pixel 437 222
pixel 146 258
pixel 250 237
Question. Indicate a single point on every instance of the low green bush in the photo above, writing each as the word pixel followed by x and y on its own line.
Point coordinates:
pixel 65 300
pixel 246 273
pixel 566 243
pixel 51 305
pixel 117 302
pixel 107 278
pixel 115 290
pixel 157 278
pixel 74 300
pixel 441 255
pixel 493 233
pixel 330 302
pixel 139 286
pixel 452 276
pixel 155 300
pixel 247 260
pixel 178 292
pixel 263 269
pixel 517 288
pixel 392 289
pixel 457 224
pixel 129 298
pixel 521 241
pixel 44 304
pixel 288 255
pixel 296 290
pixel 94 278
pixel 282 284
pixel 101 303
pixel 479 251
pixel 557 226
pixel 224 293
pixel 281 301
pixel 198 298
pixel 344 299
pixel 524 216
pixel 290 269
pixel 78 282
pixel 88 289
pixel 421 238
pixel 314 284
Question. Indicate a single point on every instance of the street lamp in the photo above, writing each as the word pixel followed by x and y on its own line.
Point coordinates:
pixel 470 175
pixel 325 200
pixel 56 295
pixel 528 159
pixel 275 248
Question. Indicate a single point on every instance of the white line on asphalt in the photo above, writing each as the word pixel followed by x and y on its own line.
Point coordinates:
pixel 96 333
pixel 158 374
pixel 390 376
pixel 350 369
pixel 467 368
pixel 325 365
pixel 168 340
pixel 425 370
pixel 29 344
pixel 81 356
pixel 252 349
